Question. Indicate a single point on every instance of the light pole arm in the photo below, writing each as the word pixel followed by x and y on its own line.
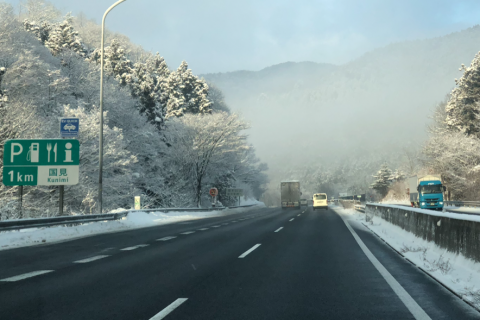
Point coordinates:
pixel 100 143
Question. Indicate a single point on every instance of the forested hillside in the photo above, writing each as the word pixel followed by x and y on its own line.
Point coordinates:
pixel 169 137
pixel 381 103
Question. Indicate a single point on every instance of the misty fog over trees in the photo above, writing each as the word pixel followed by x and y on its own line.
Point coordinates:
pixel 333 127
pixel 168 136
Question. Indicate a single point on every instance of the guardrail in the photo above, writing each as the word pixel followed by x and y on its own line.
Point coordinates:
pixel 470 204
pixel 8 225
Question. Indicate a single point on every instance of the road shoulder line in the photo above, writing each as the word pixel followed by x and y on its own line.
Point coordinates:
pixel 407 300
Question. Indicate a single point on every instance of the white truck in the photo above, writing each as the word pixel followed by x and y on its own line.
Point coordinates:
pixel 290 194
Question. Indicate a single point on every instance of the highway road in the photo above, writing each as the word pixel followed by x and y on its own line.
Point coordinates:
pixel 266 263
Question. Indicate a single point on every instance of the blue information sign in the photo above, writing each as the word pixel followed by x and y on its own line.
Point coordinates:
pixel 69 127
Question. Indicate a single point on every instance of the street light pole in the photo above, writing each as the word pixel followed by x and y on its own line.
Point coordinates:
pixel 100 144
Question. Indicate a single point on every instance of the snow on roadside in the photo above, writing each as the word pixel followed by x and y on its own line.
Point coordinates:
pixel 134 220
pixel 457 272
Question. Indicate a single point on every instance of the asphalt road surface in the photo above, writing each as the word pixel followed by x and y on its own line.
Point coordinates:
pixel 266 263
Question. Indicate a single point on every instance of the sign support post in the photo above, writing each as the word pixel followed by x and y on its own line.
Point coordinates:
pixel 20 191
pixel 60 201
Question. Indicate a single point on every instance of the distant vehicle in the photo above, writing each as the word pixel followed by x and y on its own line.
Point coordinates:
pixel 303 202
pixel 320 201
pixel 426 192
pixel 69 127
pixel 290 194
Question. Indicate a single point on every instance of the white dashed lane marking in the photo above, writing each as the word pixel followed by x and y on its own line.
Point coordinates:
pixel 203 229
pixel 188 232
pixel 172 306
pixel 215 226
pixel 26 275
pixel 278 229
pixel 249 250
pixel 291 219
pixel 134 247
pixel 91 259
pixel 166 238
pixel 299 215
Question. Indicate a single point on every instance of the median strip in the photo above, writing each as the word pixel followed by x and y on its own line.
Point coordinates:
pixel 134 247
pixel 26 275
pixel 172 306
pixel 249 250
pixel 278 229
pixel 91 259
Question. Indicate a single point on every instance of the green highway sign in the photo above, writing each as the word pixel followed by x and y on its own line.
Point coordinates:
pixel 46 162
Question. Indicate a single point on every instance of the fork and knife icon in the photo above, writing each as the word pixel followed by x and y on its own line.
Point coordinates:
pixel 49 148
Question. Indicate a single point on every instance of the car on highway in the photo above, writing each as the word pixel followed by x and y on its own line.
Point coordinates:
pixel 320 201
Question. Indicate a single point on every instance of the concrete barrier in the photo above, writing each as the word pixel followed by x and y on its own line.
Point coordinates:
pixel 461 236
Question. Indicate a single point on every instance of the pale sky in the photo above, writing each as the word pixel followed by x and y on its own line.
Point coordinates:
pixel 225 35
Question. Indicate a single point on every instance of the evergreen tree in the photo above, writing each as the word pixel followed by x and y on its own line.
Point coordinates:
pixel 188 92
pixel 383 178
pixel 115 62
pixel 63 37
pixel 148 82
pixel 463 107
pixel 40 30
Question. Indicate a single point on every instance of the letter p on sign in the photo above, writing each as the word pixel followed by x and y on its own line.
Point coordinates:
pixel 13 153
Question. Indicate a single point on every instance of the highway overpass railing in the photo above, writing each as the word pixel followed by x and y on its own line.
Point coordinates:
pixel 8 225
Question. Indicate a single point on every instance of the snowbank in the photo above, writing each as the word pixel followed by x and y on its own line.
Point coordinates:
pixel 458 273
pixel 134 220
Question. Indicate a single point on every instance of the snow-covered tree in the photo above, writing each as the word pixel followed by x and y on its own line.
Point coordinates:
pixel 115 62
pixel 186 93
pixel 463 107
pixel 205 141
pixel 383 179
pixel 62 37
pixel 148 85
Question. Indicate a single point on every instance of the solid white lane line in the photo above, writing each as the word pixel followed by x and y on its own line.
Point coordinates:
pixel 167 238
pixel 215 226
pixel 134 247
pixel 291 219
pixel 188 232
pixel 249 250
pixel 278 229
pixel 407 300
pixel 203 229
pixel 91 259
pixel 172 306
pixel 26 275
